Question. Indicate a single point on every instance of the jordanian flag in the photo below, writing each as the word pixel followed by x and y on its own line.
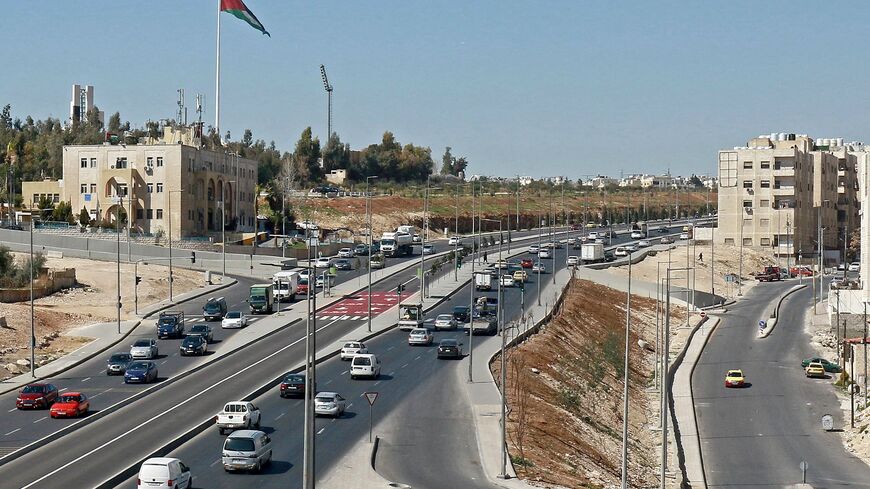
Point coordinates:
pixel 240 10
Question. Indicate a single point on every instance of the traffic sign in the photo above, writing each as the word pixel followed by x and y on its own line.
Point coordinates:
pixel 827 422
pixel 371 397
pixel 804 465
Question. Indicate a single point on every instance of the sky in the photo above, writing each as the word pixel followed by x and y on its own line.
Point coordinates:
pixel 539 88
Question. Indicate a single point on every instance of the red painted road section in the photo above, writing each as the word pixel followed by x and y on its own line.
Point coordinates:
pixel 358 305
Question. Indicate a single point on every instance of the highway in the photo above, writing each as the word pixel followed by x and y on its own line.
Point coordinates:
pixel 758 436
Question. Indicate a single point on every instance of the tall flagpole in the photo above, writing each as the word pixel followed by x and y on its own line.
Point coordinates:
pixel 217 77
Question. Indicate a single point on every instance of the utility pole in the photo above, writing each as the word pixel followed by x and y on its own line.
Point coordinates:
pixel 625 382
pixel 455 233
pixel 475 251
pixel 32 313
pixel 118 261
pixel 369 232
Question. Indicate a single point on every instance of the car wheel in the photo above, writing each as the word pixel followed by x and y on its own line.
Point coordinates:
pixel 258 467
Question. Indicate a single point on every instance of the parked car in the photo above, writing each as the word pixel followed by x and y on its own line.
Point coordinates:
pixel 193 345
pixel 238 415
pixel 827 365
pixel 141 372
pixel 234 319
pixel 445 321
pixel 735 378
pixel 214 309
pixel 420 336
pixel 428 249
pixel 449 348
pixel 815 369
pixel 164 472
pixel 461 314
pixel 329 404
pixel 70 405
pixel 323 262
pixel 292 385
pixel 246 450
pixel 351 349
pixel 343 264
pixel 117 363
pixel 365 365
pixel 345 253
pixel 573 260
pixel 36 396
pixel 144 348
pixel 203 330
pixel 802 270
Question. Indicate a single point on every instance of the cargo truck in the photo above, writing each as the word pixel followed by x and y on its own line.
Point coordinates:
pixel 262 298
pixel 396 244
pixel 482 281
pixel 286 284
pixel 592 253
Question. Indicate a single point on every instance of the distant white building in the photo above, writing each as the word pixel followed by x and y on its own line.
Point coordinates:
pixel 526 180
pixel 600 181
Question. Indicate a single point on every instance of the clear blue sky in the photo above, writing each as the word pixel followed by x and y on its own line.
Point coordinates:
pixel 540 88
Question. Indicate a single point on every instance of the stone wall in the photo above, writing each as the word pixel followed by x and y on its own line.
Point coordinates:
pixel 49 282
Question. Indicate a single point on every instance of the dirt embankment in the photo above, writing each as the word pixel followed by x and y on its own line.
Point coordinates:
pixel 565 392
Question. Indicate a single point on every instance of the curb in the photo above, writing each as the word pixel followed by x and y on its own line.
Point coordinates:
pixel 773 318
pixel 123 336
pixel 694 412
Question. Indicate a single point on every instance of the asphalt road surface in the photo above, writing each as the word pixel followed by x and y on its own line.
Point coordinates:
pixel 757 436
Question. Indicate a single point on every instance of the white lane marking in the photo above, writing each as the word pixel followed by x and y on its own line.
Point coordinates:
pixel 349 405
pixel 280 416
pixel 192 398
pixel 164 361
pixel 328 381
pixel 376 383
pixel 86 379
pixel 390 348
pixel 214 463
pixel 403 366
pixel 65 388
pixel 13 431
pixel 40 419
pixel 391 373
pixel 11 410
pixel 417 357
pixel 341 374
pixel 321 430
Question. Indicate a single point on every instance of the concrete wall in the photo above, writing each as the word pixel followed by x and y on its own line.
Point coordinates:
pixel 46 285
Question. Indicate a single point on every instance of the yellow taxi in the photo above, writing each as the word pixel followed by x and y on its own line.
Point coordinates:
pixel 735 378
pixel 815 369
pixel 521 276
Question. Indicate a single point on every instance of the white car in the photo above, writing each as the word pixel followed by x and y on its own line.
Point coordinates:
pixel 304 273
pixel 573 260
pixel 164 472
pixel 416 238
pixel 322 262
pixel 854 267
pixel 571 241
pixel 684 235
pixel 345 253
pixel 319 282
pixel 454 241
pixel 144 348
pixel 507 281
pixel 631 247
pixel 539 268
pixel 445 321
pixel 365 365
pixel 329 404
pixel 420 336
pixel 636 235
pixel 545 253
pixel 234 319
pixel 666 240
pixel 352 348
pixel 533 249
pixel 644 243
pixel 593 235
pixel 599 240
pixel 621 251
pixel 428 249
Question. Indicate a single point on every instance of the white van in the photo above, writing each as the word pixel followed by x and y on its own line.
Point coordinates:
pixel 365 365
pixel 247 450
pixel 164 472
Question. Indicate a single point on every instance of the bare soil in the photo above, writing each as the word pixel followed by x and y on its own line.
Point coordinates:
pixel 565 391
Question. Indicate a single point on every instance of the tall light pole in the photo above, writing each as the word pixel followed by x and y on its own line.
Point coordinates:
pixel 423 239
pixel 625 381
pixel 118 261
pixel 32 314
pixel 328 88
pixel 475 250
pixel 310 372
pixel 369 232
pixel 455 233
pixel 500 328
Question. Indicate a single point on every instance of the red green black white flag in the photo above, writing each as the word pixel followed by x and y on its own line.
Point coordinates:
pixel 240 10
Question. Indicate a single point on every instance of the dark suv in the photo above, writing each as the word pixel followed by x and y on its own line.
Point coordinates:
pixel 214 309
pixel 460 314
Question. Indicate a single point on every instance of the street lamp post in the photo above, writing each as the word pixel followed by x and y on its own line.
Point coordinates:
pixel 118 261
pixel 475 250
pixel 369 233
pixel 500 328
pixel 32 314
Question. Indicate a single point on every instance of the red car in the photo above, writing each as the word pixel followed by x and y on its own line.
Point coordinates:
pixel 797 271
pixel 526 263
pixel 36 396
pixel 302 287
pixel 70 405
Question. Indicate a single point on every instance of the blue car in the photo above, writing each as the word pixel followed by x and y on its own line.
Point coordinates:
pixel 141 373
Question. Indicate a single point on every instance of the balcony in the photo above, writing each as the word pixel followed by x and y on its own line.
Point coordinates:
pixel 786 190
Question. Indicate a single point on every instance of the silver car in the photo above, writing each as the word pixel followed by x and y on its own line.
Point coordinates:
pixel 445 321
pixel 144 348
pixel 247 450
pixel 352 348
pixel 345 253
pixel 329 404
pixel 420 336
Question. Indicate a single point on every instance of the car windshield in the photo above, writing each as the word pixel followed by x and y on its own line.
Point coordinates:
pixel 199 328
pixel 142 343
pixel 192 340
pixel 138 366
pixel 444 317
pixel 33 389
pixel 234 315
pixel 294 379
pixel 418 331
pixel 351 345
pixel 239 445
pixel 120 357
pixel 68 398
pixel 735 373
pixel 212 306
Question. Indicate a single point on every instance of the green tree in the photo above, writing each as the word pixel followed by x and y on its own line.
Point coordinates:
pixel 447 162
pixel 335 154
pixel 307 154
pixel 62 212
pixel 115 123
pixel 84 217
pixel 46 207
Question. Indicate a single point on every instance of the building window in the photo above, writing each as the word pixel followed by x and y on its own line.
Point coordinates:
pixel 159 188
pixel 120 163
pixel 55 198
pixel 159 213
pixel 93 162
pixel 139 214
pixel 747 183
pixel 93 188
pixel 150 187
pixel 765 223
pixel 149 161
pixel 747 204
pixel 729 241
pixel 84 188
pixel 747 165
pixel 149 213
pixel 765 241
pixel 122 189
pixel 35 199
pixel 159 161
pixel 747 222
pixel 84 162
pixel 765 165
pixel 747 241
pixel 763 203
pixel 765 184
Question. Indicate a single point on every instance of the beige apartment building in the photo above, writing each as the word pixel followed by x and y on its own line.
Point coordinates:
pixel 170 179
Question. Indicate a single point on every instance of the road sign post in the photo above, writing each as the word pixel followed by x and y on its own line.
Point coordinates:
pixel 804 466
pixel 371 397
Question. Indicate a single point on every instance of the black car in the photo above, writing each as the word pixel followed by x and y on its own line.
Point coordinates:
pixel 449 348
pixel 343 264
pixel 460 314
pixel 293 385
pixel 214 309
pixel 361 249
pixel 193 345
pixel 203 330
pixel 117 363
pixel 170 325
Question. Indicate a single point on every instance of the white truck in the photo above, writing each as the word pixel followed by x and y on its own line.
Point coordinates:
pixel 482 281
pixel 396 244
pixel 410 316
pixel 407 229
pixel 591 252
pixel 238 415
pixel 286 284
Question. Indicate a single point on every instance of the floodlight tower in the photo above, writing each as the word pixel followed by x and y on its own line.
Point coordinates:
pixel 328 88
